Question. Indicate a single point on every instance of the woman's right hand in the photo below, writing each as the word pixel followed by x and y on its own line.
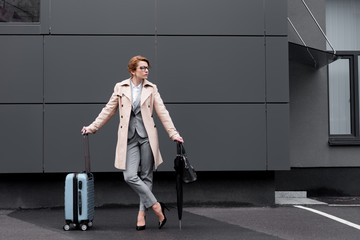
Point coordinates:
pixel 84 131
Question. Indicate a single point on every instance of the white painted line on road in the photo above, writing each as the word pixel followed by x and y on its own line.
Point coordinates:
pixel 344 205
pixel 330 216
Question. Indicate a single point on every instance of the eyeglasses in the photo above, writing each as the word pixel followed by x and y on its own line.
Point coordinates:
pixel 144 68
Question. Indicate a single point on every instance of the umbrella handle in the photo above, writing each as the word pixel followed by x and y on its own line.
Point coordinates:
pixel 180 149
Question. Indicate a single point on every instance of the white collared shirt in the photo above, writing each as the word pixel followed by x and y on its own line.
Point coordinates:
pixel 135 91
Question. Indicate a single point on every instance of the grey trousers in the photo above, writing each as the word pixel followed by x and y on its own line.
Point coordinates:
pixel 139 153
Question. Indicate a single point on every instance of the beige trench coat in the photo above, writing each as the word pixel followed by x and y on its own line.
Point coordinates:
pixel 150 99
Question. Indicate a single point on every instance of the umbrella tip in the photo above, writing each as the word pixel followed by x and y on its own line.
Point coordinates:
pixel 180 224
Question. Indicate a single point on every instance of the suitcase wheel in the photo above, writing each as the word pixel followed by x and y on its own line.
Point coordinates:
pixel 90 224
pixel 66 227
pixel 83 227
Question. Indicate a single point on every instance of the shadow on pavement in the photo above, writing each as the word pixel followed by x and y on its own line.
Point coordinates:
pixel 119 223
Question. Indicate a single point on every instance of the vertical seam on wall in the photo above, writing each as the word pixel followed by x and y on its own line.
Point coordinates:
pixel 156 42
pixel 49 20
pixel 43 100
pixel 265 91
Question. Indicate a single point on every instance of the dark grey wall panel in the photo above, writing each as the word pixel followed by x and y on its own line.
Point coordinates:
pixel 102 17
pixel 21 138
pixel 210 17
pixel 218 137
pixel 213 69
pixel 277 69
pixel 20 29
pixel 64 143
pixel 276 17
pixel 21 67
pixel 45 16
pixel 86 68
pixel 278 156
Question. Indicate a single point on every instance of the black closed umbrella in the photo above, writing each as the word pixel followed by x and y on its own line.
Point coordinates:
pixel 179 166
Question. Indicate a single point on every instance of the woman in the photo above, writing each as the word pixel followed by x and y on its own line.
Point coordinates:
pixel 138 143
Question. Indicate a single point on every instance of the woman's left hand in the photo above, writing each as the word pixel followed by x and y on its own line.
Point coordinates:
pixel 179 139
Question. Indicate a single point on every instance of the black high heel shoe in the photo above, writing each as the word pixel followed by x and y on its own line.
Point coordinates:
pixel 163 207
pixel 140 228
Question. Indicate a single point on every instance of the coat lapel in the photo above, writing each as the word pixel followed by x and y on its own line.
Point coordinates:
pixel 126 89
pixel 146 91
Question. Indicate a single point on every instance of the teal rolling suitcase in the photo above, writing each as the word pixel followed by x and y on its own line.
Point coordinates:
pixel 80 196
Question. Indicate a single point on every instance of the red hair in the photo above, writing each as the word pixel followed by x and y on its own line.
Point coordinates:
pixel 133 63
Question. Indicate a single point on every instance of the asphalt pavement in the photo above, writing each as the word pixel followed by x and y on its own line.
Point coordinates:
pixel 215 222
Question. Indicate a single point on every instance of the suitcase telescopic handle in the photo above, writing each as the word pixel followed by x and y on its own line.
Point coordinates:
pixel 87 153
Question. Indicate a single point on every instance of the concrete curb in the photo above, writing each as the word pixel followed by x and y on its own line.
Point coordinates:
pixel 295 197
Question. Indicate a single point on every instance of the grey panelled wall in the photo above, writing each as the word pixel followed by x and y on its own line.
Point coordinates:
pixel 221 68
pixel 21 138
pixel 103 17
pixel 21 69
pixel 86 68
pixel 210 17
pixel 211 69
pixel 275 17
pixel 21 96
pixel 219 137
pixel 64 145
pixel 277 73
pixel 277 136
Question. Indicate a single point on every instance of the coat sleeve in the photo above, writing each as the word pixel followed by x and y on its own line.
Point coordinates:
pixel 106 113
pixel 164 115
